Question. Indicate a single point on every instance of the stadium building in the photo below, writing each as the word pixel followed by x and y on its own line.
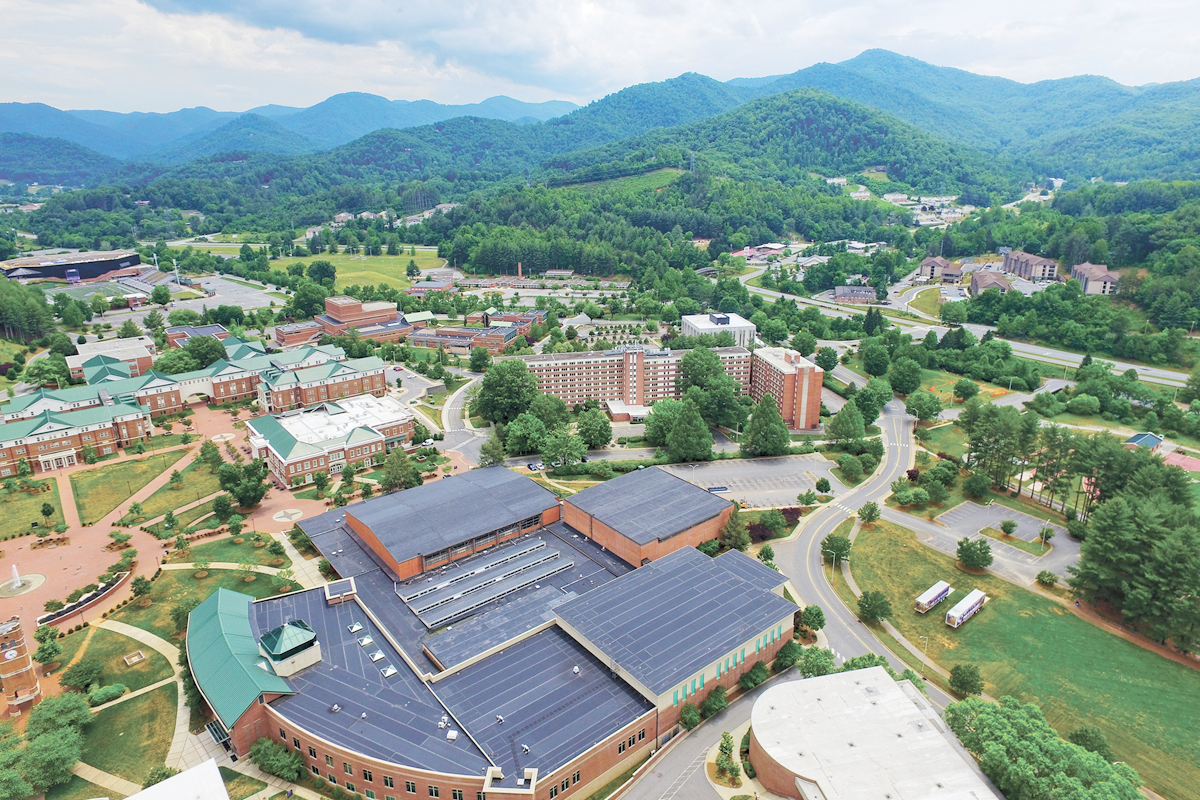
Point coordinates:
pixel 475 645
pixel 72 266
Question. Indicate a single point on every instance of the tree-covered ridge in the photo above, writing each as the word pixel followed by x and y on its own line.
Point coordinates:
pixel 245 133
pixel 35 159
pixel 785 136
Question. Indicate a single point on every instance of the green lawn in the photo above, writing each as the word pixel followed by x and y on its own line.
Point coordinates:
pixel 198 481
pixel 374 270
pixel 7 351
pixel 1033 548
pixel 1032 648
pixel 164 439
pixel 948 439
pixel 131 737
pixel 19 509
pixel 190 518
pixel 240 786
pixel 927 302
pixel 79 789
pixel 224 549
pixel 98 491
pixel 110 648
pixel 174 586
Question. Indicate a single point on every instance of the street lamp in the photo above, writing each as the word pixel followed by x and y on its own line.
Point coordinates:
pixel 693 474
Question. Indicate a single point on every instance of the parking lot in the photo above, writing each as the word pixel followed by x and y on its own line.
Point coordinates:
pixel 761 482
pixel 971 518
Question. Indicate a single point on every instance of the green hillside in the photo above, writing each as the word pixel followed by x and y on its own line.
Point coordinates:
pixel 37 159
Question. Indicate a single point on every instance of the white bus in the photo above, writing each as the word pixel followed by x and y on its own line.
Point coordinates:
pixel 966 608
pixel 933 595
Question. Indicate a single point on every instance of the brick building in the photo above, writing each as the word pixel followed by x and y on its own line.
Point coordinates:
pixel 426 288
pixel 53 440
pixel 633 374
pixel 178 335
pixel 495 339
pixel 157 392
pixel 794 382
pixel 327 436
pixel 285 389
pixel 137 353
pixel 416 531
pixel 379 321
pixel 644 515
pixel 535 665
pixel 1030 267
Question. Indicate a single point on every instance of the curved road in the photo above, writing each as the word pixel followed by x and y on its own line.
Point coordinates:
pixel 679 773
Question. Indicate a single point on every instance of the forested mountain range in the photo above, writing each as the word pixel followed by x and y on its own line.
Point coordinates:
pixel 336 120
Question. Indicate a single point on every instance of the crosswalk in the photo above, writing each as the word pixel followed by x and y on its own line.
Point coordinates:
pixel 678 784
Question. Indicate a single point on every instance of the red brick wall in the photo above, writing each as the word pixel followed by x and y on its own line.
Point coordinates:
pixel 669 717
pixel 633 553
pixel 777 779
pixel 602 762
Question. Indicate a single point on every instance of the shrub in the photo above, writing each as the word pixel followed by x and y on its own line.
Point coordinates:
pixel 1047 578
pixel 82 674
pixel 748 769
pixel 106 694
pixel 714 703
pixel 757 674
pixel 277 760
pixel 689 716
pixel 710 548
pixel 787 656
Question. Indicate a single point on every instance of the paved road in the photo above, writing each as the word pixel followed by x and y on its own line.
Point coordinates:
pixel 1048 355
pixel 678 775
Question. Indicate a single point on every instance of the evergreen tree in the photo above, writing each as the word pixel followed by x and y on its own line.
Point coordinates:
pixel 767 433
pixel 690 439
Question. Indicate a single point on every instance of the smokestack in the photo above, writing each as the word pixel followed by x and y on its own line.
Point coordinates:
pixel 519 275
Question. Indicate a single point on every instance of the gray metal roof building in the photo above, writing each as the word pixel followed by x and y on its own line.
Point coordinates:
pixel 440 515
pixel 667 620
pixel 648 505
pixel 548 707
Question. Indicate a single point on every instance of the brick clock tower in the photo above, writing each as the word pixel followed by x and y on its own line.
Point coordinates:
pixel 18 677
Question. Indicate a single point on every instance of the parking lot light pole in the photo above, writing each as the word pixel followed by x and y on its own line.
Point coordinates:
pixel 926 638
pixel 693 474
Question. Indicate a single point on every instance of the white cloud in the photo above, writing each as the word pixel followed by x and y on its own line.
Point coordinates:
pixel 235 54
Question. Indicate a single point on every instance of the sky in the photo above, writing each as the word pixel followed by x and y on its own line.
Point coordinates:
pixel 232 55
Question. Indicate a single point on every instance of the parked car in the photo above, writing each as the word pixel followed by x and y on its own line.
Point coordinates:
pixel 532 467
pixel 539 466
pixel 427 443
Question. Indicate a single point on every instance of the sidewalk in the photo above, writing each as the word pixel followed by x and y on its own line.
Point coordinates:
pixel 105 779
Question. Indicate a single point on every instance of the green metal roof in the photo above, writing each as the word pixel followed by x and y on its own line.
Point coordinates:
pixel 282 442
pixel 224 658
pixel 419 316
pixel 50 421
pixel 287 637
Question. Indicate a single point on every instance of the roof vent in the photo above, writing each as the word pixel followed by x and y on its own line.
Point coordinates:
pixel 388 671
pixel 575 670
pixel 354 627
pixel 451 735
pixel 524 748
pixel 335 708
pixel 363 715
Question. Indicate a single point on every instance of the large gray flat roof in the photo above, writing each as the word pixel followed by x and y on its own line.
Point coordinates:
pixel 451 511
pixel 546 706
pixel 666 621
pixel 402 714
pixel 649 505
